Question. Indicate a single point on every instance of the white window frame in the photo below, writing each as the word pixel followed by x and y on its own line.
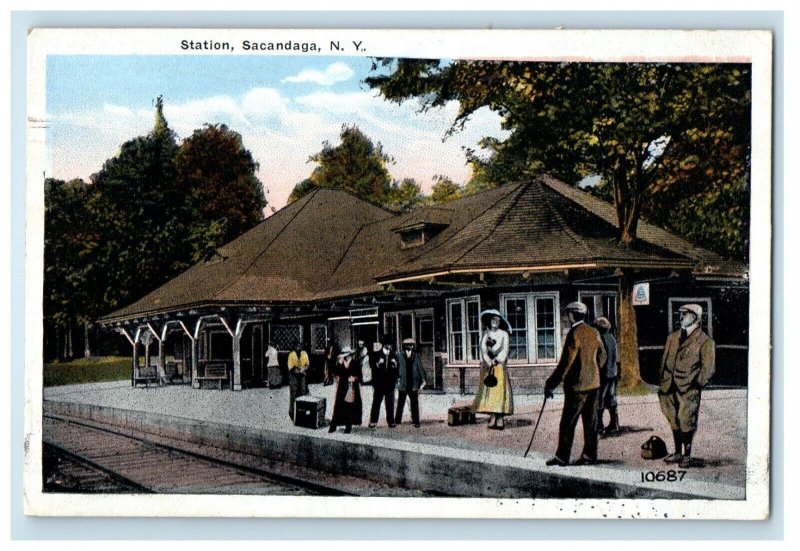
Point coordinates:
pixel 316 327
pixel 298 325
pixel 689 300
pixel 531 327
pixel 468 359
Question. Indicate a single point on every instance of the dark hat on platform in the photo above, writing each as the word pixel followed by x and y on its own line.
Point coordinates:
pixel 487 315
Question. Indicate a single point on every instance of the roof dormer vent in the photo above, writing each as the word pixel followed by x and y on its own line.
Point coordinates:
pixel 418 233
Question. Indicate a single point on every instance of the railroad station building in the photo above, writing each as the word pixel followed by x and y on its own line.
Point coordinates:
pixel 333 268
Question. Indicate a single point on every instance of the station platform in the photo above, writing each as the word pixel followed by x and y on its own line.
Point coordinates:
pixel 464 460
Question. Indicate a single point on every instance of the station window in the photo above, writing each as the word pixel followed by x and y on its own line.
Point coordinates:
pixel 534 335
pixel 319 337
pixel 284 336
pixel 464 329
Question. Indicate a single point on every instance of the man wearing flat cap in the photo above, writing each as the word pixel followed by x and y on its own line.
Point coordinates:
pixel 411 379
pixel 578 369
pixel 686 367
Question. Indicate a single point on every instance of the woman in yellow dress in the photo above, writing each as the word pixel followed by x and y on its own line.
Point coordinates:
pixel 494 387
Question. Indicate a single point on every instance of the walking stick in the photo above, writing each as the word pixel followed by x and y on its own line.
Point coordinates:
pixel 536 427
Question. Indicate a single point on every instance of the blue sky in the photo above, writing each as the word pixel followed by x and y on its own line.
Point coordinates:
pixel 284 107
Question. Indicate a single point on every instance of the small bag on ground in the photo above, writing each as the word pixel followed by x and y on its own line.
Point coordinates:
pixel 654 448
pixel 460 415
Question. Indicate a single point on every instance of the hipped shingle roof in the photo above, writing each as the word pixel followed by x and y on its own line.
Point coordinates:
pixel 331 244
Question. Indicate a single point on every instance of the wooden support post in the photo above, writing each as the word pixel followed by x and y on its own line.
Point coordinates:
pixel 188 360
pixel 127 335
pixel 237 362
pixel 135 363
pixel 161 371
pixel 161 366
pixel 237 355
pixel 195 362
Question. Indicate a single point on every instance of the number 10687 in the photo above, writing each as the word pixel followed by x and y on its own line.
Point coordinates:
pixel 663 476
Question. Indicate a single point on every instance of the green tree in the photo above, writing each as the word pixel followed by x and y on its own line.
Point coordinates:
pixel 69 239
pixel 643 128
pixel 137 208
pixel 444 190
pixel 357 165
pixel 404 195
pixel 217 175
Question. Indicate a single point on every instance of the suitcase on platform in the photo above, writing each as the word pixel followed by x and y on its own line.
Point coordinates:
pixel 461 415
pixel 309 412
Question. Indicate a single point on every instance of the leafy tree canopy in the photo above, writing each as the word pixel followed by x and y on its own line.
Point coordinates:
pixel 218 176
pixel 655 134
pixel 357 165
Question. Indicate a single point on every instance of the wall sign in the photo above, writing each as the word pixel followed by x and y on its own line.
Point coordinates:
pixel 641 294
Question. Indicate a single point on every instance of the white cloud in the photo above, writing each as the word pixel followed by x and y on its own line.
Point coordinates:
pixel 282 133
pixel 333 73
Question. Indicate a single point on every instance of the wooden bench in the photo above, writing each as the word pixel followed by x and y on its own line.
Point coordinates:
pixel 146 376
pixel 214 372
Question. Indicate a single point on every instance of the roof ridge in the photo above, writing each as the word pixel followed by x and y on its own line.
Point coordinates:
pixel 443 243
pixel 354 196
pixel 347 249
pixel 565 226
pixel 264 249
pixel 518 194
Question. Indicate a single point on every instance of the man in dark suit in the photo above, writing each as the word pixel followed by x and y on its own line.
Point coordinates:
pixel 384 380
pixel 686 367
pixel 411 380
pixel 578 368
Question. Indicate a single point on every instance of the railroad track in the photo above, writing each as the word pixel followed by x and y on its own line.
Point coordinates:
pixel 138 464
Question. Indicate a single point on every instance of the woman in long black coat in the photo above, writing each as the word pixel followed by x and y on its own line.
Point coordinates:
pixel 347 404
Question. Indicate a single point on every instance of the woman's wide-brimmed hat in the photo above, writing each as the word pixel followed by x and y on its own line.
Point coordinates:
pixel 487 315
pixel 346 351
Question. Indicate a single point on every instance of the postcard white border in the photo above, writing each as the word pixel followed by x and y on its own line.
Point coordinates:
pixel 573 45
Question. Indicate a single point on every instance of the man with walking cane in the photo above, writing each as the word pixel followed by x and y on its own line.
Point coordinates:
pixel 578 369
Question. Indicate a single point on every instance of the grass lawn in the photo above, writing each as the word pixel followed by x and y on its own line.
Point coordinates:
pixel 87 370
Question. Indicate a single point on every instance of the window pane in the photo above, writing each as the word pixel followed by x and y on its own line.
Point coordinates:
pixel 545 328
pixel 455 317
pixel 458 347
pixel 456 331
pixel 473 316
pixel 473 330
pixel 319 337
pixel 546 344
pixel 516 315
pixel 474 345
pixel 284 336
pixel 425 331
pixel 545 316
pixel 610 310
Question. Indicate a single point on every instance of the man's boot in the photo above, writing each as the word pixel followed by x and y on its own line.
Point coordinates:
pixel 687 460
pixel 613 426
pixel 678 441
pixel 600 428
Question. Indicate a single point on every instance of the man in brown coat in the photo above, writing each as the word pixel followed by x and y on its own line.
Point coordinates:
pixel 578 368
pixel 686 367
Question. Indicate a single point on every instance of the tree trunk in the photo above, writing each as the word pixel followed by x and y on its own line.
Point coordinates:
pixel 630 376
pixel 58 342
pixel 69 342
pixel 87 351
